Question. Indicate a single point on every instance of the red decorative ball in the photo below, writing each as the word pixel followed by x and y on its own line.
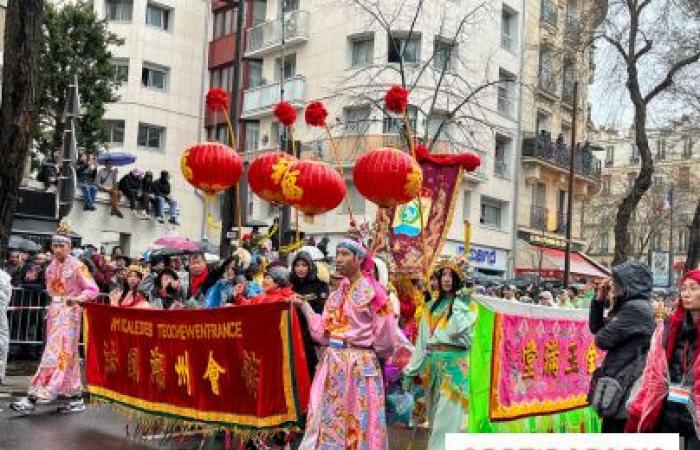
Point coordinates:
pixel 285 113
pixel 217 99
pixel 211 166
pixel 396 99
pixel 313 187
pixel 266 173
pixel 401 177
pixel 316 114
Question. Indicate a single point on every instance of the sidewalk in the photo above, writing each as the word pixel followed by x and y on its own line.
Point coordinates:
pixel 15 386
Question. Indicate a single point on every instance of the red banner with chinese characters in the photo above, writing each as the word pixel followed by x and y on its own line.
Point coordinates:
pixel 542 362
pixel 238 368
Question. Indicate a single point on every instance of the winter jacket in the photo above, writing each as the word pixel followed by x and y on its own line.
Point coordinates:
pixel 162 187
pixel 317 291
pixel 84 173
pixel 130 183
pixel 625 334
pixel 274 296
pixel 148 186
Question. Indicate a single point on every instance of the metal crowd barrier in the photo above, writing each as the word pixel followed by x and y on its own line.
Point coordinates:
pixel 26 315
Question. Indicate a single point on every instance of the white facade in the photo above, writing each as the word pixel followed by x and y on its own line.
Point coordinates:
pixel 160 111
pixel 327 64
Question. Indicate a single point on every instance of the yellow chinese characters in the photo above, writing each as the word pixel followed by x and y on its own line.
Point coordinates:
pixel 572 359
pixel 111 357
pixel 132 364
pixel 529 357
pixel 214 371
pixel 182 369
pixel 157 368
pixel 592 358
pixel 551 358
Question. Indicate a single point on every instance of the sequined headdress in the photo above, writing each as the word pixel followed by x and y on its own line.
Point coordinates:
pixel 62 235
pixel 458 265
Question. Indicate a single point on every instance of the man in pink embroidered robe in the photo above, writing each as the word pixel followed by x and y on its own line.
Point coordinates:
pixel 346 409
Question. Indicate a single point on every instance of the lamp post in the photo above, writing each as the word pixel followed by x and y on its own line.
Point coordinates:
pixel 570 196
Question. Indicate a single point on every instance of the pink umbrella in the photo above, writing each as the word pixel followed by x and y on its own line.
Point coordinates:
pixel 178 243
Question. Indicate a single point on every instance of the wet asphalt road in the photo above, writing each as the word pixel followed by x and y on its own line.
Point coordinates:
pixel 99 428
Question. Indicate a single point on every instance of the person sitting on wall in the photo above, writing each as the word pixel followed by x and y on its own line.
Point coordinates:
pixel 163 196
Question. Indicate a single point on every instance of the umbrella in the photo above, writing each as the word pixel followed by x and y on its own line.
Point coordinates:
pixel 25 245
pixel 314 252
pixel 178 243
pixel 116 158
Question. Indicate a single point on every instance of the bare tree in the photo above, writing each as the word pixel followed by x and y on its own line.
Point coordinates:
pixel 19 95
pixel 655 45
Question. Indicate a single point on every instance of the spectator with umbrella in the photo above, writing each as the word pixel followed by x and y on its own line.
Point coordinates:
pixel 107 182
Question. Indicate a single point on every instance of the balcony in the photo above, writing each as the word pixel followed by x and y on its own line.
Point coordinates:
pixel 538 217
pixel 549 13
pixel 266 38
pixel 260 101
pixel 222 51
pixel 556 154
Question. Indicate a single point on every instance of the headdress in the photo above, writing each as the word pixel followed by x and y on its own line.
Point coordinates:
pixel 135 268
pixel 456 265
pixel 354 246
pixel 62 235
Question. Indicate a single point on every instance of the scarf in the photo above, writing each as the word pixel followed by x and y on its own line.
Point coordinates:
pixel 197 281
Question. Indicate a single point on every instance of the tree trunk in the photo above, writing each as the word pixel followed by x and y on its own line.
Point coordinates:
pixel 693 257
pixel 19 97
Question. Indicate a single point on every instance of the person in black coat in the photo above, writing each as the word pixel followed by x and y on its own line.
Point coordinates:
pixel 163 196
pixel 305 283
pixel 625 333
pixel 130 185
pixel 149 191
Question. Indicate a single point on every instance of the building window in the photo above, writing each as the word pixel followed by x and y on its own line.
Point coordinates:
pixel 221 134
pixel 509 29
pixel 440 127
pixel 259 11
pixel 222 77
pixel 549 12
pixel 290 67
pixel 394 125
pixel 252 136
pixel 158 16
pixel 604 243
pixel 606 184
pixel 546 78
pixel 543 122
pixel 224 22
pixel 682 240
pixel 687 147
pixel 357 201
pixel 362 51
pixel 501 156
pixel 154 77
pixel 661 149
pixel 401 48
pixel 466 205
pixel 121 70
pixel 634 154
pixel 119 10
pixel 115 132
pixel 568 80
pixel 443 52
pixel 255 74
pixel 506 93
pixel 356 119
pixel 151 136
pixel 491 212
pixel 291 5
pixel 609 156
pixel 630 180
pixel 658 181
pixel 684 177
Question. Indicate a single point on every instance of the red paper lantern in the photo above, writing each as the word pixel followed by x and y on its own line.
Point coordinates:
pixel 211 166
pixel 313 187
pixel 265 175
pixel 387 177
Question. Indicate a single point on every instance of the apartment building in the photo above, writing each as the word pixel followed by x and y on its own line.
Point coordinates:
pixel 660 225
pixel 345 58
pixel 556 59
pixel 160 112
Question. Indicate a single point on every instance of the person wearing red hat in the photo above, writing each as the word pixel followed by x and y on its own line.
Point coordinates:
pixel 667 400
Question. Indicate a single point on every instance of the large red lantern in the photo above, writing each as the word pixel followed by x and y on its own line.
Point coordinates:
pixel 387 176
pixel 211 166
pixel 313 187
pixel 265 175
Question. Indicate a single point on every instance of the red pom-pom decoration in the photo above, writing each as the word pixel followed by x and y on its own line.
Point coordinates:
pixel 396 99
pixel 217 99
pixel 316 114
pixel 285 113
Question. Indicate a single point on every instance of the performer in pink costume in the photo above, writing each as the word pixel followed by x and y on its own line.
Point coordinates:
pixel 346 409
pixel 69 284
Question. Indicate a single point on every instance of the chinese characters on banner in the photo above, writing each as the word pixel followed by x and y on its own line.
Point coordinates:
pixel 540 366
pixel 234 367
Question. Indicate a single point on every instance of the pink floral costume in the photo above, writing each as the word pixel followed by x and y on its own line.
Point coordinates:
pixel 346 409
pixel 59 370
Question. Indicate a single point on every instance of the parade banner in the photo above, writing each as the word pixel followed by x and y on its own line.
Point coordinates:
pixel 536 364
pixel 438 194
pixel 239 368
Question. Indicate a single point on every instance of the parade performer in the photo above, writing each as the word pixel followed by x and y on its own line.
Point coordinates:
pixel 346 409
pixel 441 357
pixel 69 284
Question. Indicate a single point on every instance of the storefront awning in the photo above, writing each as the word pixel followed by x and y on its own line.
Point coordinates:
pixel 534 258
